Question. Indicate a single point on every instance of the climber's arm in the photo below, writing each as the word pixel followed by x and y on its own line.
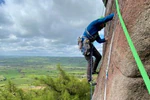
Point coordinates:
pixel 99 40
pixel 105 19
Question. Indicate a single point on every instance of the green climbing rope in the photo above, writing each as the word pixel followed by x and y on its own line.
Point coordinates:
pixel 133 50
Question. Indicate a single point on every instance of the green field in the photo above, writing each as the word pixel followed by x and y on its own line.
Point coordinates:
pixel 25 70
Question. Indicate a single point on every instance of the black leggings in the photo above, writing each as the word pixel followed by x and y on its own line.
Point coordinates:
pixel 97 56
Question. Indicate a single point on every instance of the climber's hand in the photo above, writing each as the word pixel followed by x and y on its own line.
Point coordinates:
pixel 106 38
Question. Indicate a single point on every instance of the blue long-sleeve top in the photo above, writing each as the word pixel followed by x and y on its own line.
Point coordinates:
pixel 95 26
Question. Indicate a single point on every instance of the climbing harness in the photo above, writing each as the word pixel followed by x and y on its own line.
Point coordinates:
pixel 88 34
pixel 84 45
pixel 80 44
pixel 85 49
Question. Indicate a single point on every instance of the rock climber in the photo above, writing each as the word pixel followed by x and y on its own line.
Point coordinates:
pixel 87 48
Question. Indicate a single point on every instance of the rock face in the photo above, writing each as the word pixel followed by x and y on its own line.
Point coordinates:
pixel 124 79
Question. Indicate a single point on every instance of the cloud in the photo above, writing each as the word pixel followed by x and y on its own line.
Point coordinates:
pixel 45 27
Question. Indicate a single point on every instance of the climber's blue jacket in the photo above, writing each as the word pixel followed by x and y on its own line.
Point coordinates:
pixel 92 30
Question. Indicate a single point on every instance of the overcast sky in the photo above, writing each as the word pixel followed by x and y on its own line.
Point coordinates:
pixel 45 27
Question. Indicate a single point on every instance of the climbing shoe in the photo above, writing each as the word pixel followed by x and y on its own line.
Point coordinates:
pixel 95 72
pixel 92 83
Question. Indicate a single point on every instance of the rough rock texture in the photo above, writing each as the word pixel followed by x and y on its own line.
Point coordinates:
pixel 124 79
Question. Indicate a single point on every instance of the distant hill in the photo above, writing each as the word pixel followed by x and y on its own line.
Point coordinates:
pixel 35 60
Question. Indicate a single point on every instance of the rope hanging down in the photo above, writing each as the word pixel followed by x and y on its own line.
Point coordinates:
pixel 91 87
pixel 133 50
pixel 91 65
pixel 109 58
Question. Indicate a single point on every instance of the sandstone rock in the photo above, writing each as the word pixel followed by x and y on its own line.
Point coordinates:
pixel 124 79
